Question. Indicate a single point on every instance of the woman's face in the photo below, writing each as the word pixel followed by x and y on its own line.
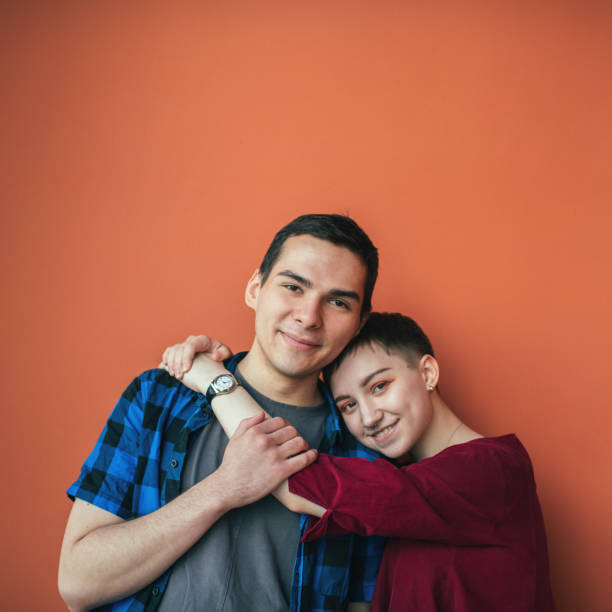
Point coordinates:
pixel 384 402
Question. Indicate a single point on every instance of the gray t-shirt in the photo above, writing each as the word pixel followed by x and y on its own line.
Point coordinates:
pixel 245 560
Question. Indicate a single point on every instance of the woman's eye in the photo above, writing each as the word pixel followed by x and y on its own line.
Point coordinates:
pixel 346 407
pixel 379 386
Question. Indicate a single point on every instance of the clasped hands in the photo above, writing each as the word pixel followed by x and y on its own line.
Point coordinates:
pixel 262 452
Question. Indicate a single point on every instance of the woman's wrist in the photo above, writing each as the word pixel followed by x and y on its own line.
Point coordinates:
pixel 203 371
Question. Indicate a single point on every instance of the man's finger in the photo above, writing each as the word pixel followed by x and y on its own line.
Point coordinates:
pixel 272 425
pixel 293 446
pixel 301 461
pixel 283 434
pixel 246 424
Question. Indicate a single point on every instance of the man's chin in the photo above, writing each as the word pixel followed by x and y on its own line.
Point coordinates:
pixel 299 368
pixel 299 373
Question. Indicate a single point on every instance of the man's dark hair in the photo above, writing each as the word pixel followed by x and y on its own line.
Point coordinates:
pixel 337 229
pixel 394 332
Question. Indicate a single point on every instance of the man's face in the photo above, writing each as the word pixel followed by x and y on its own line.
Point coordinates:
pixel 308 308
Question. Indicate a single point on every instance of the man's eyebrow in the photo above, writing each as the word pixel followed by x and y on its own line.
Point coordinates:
pixel 345 293
pixel 363 383
pixel 338 293
pixel 296 277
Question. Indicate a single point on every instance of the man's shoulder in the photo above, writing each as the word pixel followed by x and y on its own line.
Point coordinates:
pixel 156 381
pixel 149 419
pixel 155 392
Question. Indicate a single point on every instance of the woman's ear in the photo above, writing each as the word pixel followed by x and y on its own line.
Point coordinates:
pixel 430 371
pixel 252 290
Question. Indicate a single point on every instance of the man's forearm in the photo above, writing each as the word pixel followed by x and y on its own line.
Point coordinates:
pixel 118 558
pixel 105 558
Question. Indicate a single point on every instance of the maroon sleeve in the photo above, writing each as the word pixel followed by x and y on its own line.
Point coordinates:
pixel 456 497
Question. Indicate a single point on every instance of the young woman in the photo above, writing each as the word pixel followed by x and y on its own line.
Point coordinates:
pixel 463 519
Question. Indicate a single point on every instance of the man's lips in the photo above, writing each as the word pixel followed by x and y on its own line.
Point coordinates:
pixel 298 342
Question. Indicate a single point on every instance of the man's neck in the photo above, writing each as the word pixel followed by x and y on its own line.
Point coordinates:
pixel 298 391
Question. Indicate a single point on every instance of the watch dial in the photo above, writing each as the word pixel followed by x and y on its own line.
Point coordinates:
pixel 223 383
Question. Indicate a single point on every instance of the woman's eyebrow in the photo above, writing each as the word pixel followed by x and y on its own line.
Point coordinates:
pixel 369 377
pixel 363 383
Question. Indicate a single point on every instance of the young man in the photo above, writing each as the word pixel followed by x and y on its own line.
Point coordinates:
pixel 162 521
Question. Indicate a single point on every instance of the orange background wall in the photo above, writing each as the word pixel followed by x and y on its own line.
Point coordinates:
pixel 149 154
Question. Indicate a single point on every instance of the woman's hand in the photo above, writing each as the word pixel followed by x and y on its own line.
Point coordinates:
pixel 177 359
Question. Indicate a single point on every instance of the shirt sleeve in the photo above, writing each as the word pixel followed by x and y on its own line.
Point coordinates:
pixel 107 476
pixel 457 497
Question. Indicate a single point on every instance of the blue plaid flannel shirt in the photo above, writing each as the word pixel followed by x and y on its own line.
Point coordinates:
pixel 135 468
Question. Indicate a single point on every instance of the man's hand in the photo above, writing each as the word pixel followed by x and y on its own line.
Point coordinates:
pixel 260 456
pixel 177 359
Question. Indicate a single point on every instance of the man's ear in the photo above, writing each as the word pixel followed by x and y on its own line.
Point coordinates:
pixel 430 371
pixel 364 318
pixel 252 290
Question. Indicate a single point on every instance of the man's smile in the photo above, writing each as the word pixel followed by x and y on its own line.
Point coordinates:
pixel 298 342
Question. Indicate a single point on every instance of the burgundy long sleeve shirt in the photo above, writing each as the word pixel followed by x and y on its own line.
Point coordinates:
pixel 465 528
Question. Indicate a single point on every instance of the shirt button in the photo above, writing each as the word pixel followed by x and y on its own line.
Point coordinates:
pixel 173 463
pixel 155 591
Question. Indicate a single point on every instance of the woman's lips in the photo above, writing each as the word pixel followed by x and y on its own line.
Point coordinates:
pixel 385 433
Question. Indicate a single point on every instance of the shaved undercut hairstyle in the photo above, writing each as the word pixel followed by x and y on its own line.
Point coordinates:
pixel 394 332
pixel 337 229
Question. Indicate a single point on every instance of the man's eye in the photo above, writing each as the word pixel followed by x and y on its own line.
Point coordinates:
pixel 291 287
pixel 340 303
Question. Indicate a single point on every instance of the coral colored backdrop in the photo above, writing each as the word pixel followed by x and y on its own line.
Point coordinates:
pixel 150 151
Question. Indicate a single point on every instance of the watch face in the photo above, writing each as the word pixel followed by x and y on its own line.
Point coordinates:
pixel 223 383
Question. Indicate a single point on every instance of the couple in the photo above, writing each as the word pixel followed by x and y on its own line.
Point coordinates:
pixel 170 516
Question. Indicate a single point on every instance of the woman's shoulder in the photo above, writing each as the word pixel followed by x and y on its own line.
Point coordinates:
pixel 507 444
pixel 503 456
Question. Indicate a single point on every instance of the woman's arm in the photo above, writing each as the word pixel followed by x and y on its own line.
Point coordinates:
pixel 461 497
pixel 456 497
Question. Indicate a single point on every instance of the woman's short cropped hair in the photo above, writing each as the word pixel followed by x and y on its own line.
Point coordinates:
pixel 394 332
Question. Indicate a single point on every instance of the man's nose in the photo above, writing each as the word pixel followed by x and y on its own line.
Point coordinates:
pixel 308 312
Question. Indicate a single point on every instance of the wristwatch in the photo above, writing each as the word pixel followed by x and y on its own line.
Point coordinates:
pixel 221 385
